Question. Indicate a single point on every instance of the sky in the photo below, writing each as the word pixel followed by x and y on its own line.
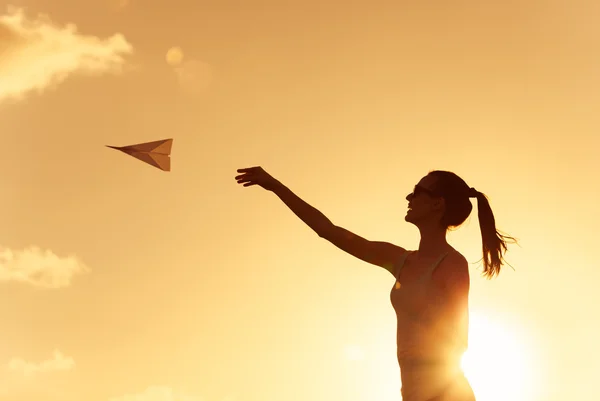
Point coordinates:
pixel 121 282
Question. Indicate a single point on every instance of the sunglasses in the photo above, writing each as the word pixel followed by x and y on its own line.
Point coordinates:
pixel 421 190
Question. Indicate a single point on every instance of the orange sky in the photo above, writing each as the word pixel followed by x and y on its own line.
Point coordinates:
pixel 119 282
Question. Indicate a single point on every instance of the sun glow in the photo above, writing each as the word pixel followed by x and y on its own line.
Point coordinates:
pixel 497 363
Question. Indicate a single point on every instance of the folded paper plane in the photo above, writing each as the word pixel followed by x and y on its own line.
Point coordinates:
pixel 155 153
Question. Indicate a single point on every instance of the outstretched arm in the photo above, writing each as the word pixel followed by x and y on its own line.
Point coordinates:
pixel 377 253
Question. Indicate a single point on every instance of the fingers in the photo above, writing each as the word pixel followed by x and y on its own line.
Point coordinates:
pixel 248 177
pixel 247 170
pixel 247 183
pixel 242 180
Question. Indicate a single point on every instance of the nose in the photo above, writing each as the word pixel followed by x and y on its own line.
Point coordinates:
pixel 409 197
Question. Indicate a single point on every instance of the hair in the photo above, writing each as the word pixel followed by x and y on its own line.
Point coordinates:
pixel 456 194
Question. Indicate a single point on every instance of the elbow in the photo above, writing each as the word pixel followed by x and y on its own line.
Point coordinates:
pixel 327 231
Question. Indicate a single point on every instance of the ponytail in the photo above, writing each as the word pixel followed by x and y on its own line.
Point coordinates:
pixel 456 193
pixel 493 242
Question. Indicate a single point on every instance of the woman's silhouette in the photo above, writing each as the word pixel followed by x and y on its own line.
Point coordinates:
pixel 430 295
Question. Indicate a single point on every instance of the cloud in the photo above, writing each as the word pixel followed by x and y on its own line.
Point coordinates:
pixel 59 362
pixel 156 393
pixel 194 76
pixel 174 56
pixel 37 54
pixel 39 268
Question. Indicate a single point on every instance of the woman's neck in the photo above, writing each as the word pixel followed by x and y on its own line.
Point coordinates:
pixel 433 242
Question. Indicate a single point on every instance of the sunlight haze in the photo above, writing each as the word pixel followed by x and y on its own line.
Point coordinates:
pixel 121 282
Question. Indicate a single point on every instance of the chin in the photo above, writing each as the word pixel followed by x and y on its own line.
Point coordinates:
pixel 412 219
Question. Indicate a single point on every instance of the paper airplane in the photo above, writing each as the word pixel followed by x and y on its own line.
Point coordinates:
pixel 155 153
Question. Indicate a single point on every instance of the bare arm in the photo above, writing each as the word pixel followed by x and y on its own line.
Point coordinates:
pixel 381 254
pixel 378 253
pixel 308 214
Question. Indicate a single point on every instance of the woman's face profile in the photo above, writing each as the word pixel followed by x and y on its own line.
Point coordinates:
pixel 422 202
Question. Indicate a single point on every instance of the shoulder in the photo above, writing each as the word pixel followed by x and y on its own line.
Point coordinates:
pixel 401 259
pixel 452 272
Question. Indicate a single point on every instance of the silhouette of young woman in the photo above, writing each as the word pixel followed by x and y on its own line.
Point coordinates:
pixel 430 295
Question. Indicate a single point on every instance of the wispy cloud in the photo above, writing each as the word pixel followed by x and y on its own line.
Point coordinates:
pixel 36 53
pixel 156 393
pixel 59 362
pixel 39 268
pixel 193 76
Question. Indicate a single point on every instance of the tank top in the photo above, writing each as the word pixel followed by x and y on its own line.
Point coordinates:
pixel 429 344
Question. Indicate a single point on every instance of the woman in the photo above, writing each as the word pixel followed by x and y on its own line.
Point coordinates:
pixel 430 295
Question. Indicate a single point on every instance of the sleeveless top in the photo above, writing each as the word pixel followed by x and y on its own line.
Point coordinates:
pixel 429 343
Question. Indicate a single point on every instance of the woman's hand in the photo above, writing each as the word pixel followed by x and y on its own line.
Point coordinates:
pixel 256 176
